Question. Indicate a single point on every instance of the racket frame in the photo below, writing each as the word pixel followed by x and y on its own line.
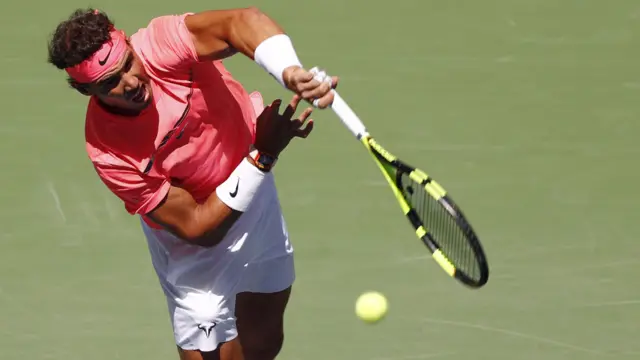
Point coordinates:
pixel 383 159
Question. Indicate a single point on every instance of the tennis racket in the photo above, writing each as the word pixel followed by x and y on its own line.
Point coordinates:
pixel 434 216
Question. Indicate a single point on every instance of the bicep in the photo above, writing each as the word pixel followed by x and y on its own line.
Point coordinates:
pixel 209 31
pixel 218 34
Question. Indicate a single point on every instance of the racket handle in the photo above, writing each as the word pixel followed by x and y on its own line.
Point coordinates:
pixel 348 117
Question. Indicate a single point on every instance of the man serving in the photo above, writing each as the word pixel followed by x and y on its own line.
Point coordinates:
pixel 183 145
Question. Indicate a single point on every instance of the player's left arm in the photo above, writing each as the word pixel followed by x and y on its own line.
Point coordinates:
pixel 218 34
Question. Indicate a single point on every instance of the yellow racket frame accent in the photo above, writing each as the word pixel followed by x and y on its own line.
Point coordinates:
pixel 431 186
pixel 392 168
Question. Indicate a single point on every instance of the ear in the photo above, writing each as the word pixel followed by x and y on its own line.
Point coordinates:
pixel 83 89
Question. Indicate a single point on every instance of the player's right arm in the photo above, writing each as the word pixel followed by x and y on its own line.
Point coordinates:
pixel 218 34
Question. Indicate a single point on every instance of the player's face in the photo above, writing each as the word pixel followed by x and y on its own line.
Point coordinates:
pixel 127 86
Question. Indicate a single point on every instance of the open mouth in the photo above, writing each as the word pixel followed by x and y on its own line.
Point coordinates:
pixel 140 96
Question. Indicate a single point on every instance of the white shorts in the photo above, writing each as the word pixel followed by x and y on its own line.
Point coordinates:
pixel 201 284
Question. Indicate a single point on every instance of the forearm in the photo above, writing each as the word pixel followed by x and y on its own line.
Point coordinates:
pixel 207 223
pixel 232 198
pixel 203 224
pixel 211 221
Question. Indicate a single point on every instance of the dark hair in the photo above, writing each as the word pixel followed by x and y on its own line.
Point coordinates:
pixel 77 38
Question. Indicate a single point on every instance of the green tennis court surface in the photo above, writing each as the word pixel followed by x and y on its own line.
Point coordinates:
pixel 526 111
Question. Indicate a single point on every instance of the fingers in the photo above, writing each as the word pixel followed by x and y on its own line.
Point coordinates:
pixel 314 86
pixel 323 96
pixel 305 131
pixel 292 107
pixel 296 125
pixel 334 81
pixel 266 113
pixel 302 80
pixel 285 123
pixel 302 76
pixel 307 85
pixel 325 101
pixel 276 105
pixel 319 91
pixel 305 114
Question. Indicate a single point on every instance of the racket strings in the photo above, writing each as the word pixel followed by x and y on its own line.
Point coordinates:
pixel 442 226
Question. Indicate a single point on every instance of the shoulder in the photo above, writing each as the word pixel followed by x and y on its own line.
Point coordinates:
pixel 165 44
pixel 162 24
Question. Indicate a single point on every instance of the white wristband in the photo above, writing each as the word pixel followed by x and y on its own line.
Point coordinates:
pixel 276 54
pixel 240 187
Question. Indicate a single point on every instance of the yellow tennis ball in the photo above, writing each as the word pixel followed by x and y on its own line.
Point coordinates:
pixel 371 306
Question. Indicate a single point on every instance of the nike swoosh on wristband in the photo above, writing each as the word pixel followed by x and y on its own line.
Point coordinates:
pixel 235 192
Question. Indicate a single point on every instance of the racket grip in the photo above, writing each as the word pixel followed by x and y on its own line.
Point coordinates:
pixel 348 116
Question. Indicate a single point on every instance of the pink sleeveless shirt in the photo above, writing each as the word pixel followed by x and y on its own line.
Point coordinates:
pixel 197 130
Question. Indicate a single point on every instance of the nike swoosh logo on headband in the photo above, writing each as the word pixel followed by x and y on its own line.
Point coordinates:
pixel 104 61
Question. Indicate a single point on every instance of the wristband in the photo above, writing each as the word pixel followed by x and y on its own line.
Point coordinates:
pixel 276 54
pixel 240 187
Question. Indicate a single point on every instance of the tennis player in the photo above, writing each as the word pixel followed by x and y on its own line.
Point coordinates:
pixel 183 145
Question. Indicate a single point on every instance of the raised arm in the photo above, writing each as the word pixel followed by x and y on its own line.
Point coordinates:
pixel 218 34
